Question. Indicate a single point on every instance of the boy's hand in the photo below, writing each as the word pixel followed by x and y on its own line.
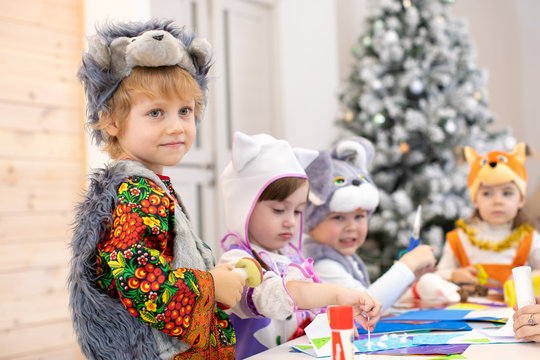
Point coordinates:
pixel 467 275
pixel 228 285
pixel 364 306
pixel 420 260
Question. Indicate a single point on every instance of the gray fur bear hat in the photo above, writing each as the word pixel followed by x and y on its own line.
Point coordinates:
pixel 339 181
pixel 120 46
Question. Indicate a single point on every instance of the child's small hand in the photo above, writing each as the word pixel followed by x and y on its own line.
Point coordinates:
pixel 420 260
pixel 467 275
pixel 364 306
pixel 228 285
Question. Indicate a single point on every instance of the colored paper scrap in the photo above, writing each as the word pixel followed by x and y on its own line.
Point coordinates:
pixel 394 327
pixel 381 343
pixel 491 314
pixel 320 342
pixel 449 357
pixel 434 339
pixel 426 350
pixel 430 315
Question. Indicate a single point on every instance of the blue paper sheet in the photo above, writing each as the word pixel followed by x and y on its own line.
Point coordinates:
pixel 391 327
pixel 430 315
pixel 437 315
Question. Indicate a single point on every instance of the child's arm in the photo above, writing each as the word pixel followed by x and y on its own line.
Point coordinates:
pixel 420 260
pixel 309 295
pixel 228 285
pixel 467 275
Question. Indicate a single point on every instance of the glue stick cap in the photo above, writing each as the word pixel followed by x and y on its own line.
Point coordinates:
pixel 341 317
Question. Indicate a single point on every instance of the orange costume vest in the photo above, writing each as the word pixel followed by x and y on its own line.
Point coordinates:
pixel 499 272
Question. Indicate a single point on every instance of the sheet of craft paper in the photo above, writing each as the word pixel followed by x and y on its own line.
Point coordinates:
pixel 395 327
pixel 383 343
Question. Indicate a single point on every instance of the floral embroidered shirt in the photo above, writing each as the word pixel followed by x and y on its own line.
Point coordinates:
pixel 134 264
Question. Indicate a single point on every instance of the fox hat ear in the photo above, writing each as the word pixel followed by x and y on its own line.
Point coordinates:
pixel 470 155
pixel 519 152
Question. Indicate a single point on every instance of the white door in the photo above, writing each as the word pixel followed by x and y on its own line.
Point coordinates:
pixel 242 97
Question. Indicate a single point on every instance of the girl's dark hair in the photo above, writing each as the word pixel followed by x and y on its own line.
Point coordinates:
pixel 281 188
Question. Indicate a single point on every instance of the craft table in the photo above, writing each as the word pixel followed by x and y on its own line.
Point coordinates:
pixel 521 351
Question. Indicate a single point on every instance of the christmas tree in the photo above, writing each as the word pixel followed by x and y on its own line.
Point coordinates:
pixel 415 91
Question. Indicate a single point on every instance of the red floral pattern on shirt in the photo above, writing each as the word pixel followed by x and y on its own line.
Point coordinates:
pixel 134 264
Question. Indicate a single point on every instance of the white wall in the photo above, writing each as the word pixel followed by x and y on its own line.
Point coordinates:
pixel 309 64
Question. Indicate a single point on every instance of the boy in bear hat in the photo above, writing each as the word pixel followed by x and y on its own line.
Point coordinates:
pixel 143 285
pixel 341 198
pixel 498 237
pixel 265 190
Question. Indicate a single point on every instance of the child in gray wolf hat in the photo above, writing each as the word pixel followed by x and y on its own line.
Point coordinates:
pixel 341 198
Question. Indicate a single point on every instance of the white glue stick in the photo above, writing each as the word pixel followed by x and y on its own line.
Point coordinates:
pixel 342 327
pixel 524 286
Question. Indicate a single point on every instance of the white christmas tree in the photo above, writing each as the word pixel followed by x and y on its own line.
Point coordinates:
pixel 415 91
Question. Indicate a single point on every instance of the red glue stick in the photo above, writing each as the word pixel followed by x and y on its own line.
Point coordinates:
pixel 342 327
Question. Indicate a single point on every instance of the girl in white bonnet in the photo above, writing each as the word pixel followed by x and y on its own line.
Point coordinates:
pixel 265 190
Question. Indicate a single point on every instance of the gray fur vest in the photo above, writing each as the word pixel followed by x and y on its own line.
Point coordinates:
pixel 316 251
pixel 103 326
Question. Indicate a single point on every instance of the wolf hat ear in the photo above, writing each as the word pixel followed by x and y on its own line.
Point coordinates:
pixel 320 185
pixel 305 156
pixel 357 151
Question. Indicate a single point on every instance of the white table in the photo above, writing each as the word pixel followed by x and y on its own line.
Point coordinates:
pixel 521 351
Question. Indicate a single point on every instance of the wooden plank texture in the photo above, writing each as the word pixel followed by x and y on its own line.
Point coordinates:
pixel 42 164
pixel 23 256
pixel 33 283
pixel 64 119
pixel 25 227
pixel 53 14
pixel 36 338
pixel 24 145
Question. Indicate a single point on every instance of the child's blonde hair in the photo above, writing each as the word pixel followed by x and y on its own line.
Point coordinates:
pixel 165 81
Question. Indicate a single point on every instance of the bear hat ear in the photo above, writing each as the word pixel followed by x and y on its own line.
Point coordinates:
pixel 244 149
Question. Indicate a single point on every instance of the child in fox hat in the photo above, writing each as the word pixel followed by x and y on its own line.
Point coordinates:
pixel 497 237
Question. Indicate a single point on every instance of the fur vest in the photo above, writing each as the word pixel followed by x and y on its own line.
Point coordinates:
pixel 103 326
pixel 317 251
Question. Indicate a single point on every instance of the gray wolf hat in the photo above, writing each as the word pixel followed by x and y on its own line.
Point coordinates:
pixel 120 46
pixel 339 181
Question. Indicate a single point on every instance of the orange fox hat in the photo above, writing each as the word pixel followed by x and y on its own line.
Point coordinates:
pixel 497 168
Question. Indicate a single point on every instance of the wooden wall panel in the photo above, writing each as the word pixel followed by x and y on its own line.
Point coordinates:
pixel 42 173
